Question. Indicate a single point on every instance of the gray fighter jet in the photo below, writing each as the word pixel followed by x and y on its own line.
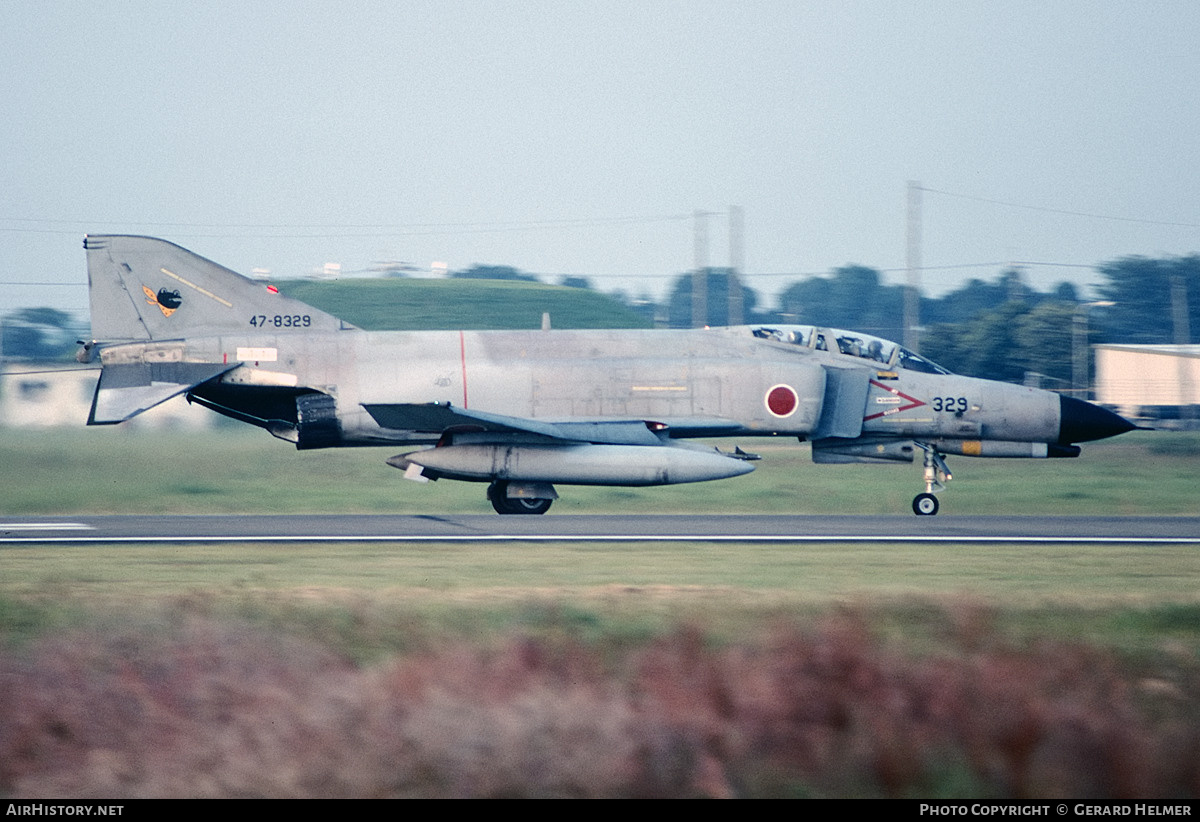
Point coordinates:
pixel 526 410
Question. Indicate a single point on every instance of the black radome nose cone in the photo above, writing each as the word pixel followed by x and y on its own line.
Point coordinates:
pixel 1081 421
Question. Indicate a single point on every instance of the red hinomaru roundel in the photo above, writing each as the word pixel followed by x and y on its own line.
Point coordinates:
pixel 782 400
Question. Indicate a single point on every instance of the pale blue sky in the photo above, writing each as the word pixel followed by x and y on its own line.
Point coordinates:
pixel 578 138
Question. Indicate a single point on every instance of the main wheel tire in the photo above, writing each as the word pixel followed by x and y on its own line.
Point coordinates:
pixel 925 505
pixel 504 504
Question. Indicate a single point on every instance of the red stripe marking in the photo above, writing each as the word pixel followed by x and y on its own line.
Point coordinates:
pixel 913 402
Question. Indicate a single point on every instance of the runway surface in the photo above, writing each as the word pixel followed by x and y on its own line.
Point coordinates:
pixel 589 528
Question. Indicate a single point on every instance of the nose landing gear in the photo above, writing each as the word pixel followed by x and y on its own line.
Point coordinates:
pixel 937 474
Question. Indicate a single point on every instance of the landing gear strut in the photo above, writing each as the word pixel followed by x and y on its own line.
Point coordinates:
pixel 937 473
pixel 504 504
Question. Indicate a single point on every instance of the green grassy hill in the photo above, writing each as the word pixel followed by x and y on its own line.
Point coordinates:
pixel 418 305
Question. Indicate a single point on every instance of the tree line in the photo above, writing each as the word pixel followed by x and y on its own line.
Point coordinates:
pixel 1000 328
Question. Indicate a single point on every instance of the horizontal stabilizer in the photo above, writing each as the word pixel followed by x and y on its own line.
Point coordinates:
pixel 127 390
pixel 438 417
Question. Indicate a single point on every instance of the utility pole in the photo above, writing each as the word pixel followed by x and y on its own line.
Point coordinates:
pixel 700 271
pixel 736 261
pixel 1081 380
pixel 912 293
pixel 1179 310
pixel 1183 336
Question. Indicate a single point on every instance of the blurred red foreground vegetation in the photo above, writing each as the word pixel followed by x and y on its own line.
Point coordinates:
pixel 213 710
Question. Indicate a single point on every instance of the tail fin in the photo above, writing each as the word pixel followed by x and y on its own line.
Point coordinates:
pixel 142 288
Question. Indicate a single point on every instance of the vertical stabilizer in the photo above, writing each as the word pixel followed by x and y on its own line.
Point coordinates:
pixel 142 288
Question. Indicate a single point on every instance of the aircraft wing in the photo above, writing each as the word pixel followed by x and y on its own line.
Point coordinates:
pixel 441 417
pixel 128 389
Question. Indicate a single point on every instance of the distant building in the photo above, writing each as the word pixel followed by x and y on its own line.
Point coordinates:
pixel 49 396
pixel 1155 381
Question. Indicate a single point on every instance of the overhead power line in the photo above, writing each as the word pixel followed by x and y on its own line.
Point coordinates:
pixel 1064 211
pixel 333 230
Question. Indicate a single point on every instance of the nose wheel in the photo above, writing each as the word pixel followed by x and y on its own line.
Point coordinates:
pixel 937 474
pixel 925 505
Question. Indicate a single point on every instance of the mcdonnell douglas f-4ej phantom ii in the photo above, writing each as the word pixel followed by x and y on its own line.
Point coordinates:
pixel 526 410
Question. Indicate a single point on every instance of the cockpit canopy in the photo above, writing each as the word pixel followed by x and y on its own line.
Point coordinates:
pixel 852 343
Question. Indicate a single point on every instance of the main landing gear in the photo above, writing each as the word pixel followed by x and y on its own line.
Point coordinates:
pixel 504 502
pixel 937 473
